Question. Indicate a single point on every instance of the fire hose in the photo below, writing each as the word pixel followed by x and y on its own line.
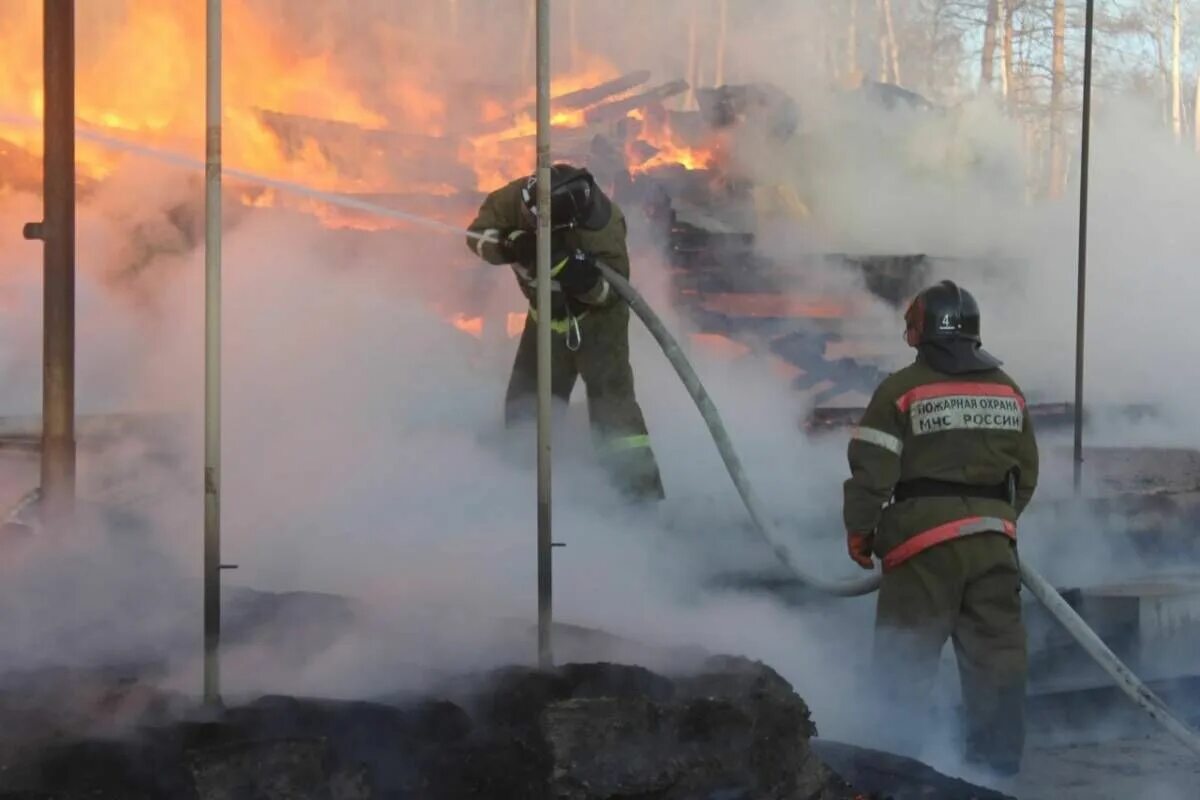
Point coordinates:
pixel 1124 678
pixel 1129 683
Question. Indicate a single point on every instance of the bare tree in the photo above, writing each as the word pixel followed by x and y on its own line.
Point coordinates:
pixel 1005 52
pixel 889 50
pixel 889 24
pixel 1196 113
pixel 1058 79
pixel 987 58
pixel 1176 91
pixel 852 41
pixel 883 47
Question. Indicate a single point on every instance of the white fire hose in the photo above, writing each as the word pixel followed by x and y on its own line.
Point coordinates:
pixel 1129 683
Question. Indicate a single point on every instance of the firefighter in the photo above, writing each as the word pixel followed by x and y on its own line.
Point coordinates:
pixel 942 464
pixel 590 325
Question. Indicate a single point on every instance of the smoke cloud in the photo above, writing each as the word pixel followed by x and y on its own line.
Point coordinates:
pixel 364 453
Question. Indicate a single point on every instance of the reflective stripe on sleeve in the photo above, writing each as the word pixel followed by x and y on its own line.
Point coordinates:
pixel 557 325
pixel 944 533
pixel 621 443
pixel 604 290
pixel 879 439
pixel 489 237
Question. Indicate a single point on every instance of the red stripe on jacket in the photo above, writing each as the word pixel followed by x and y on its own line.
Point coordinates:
pixel 944 533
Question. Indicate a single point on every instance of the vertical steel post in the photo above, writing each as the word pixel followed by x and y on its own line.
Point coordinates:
pixel 544 537
pixel 1080 297
pixel 722 33
pixel 58 235
pixel 212 357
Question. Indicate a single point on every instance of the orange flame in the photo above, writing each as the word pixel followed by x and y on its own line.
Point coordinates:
pixel 657 132
pixel 472 326
pixel 501 156
pixel 141 76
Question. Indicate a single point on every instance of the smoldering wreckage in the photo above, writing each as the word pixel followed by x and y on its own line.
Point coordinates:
pixel 620 718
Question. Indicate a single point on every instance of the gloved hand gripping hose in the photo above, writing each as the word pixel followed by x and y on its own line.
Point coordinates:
pixel 1129 683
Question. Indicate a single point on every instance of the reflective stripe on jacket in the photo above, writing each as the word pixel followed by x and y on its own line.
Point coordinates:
pixel 922 424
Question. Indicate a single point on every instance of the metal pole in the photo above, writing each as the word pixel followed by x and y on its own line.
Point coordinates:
pixel 544 538
pixel 212 358
pixel 722 16
pixel 57 232
pixel 1080 298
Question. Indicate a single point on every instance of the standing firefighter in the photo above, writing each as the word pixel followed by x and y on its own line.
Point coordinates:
pixel 942 464
pixel 590 326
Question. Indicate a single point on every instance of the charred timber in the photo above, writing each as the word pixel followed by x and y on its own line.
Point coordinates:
pixel 619 108
pixel 573 101
pixel 601 92
pixel 587 731
pixel 400 159
pixel 288 126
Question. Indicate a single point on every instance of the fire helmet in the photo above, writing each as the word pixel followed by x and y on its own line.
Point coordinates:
pixel 575 200
pixel 942 312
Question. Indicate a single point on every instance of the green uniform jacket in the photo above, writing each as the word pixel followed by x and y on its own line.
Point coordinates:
pixel 920 423
pixel 502 213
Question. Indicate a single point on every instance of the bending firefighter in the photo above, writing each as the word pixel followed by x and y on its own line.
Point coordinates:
pixel 942 464
pixel 590 325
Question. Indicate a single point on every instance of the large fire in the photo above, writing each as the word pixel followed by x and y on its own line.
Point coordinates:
pixel 141 77
pixel 297 112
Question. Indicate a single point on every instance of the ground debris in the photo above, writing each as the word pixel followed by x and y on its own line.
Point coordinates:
pixel 730 729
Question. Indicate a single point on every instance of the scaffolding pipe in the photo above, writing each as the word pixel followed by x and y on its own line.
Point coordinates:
pixel 544 537
pixel 1080 296
pixel 57 232
pixel 212 358
pixel 722 33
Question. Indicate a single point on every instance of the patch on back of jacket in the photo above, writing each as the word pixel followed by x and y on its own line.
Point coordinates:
pixel 963 406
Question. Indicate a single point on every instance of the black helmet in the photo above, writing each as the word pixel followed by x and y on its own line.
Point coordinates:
pixel 575 200
pixel 942 312
pixel 942 322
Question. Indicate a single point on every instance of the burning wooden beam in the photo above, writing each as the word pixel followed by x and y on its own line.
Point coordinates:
pixel 601 92
pixel 401 160
pixel 291 126
pixel 619 108
pixel 572 101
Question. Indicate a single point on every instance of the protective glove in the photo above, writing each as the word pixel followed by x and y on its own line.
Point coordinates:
pixel 576 272
pixel 520 247
pixel 859 545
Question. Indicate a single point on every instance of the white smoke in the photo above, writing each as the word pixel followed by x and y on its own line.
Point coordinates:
pixel 363 447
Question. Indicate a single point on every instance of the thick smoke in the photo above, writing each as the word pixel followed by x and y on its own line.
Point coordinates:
pixel 364 453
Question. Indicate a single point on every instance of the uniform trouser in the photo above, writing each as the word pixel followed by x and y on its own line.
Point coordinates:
pixel 602 360
pixel 966 590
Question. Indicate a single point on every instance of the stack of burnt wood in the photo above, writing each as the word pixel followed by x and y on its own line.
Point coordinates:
pixel 702 212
